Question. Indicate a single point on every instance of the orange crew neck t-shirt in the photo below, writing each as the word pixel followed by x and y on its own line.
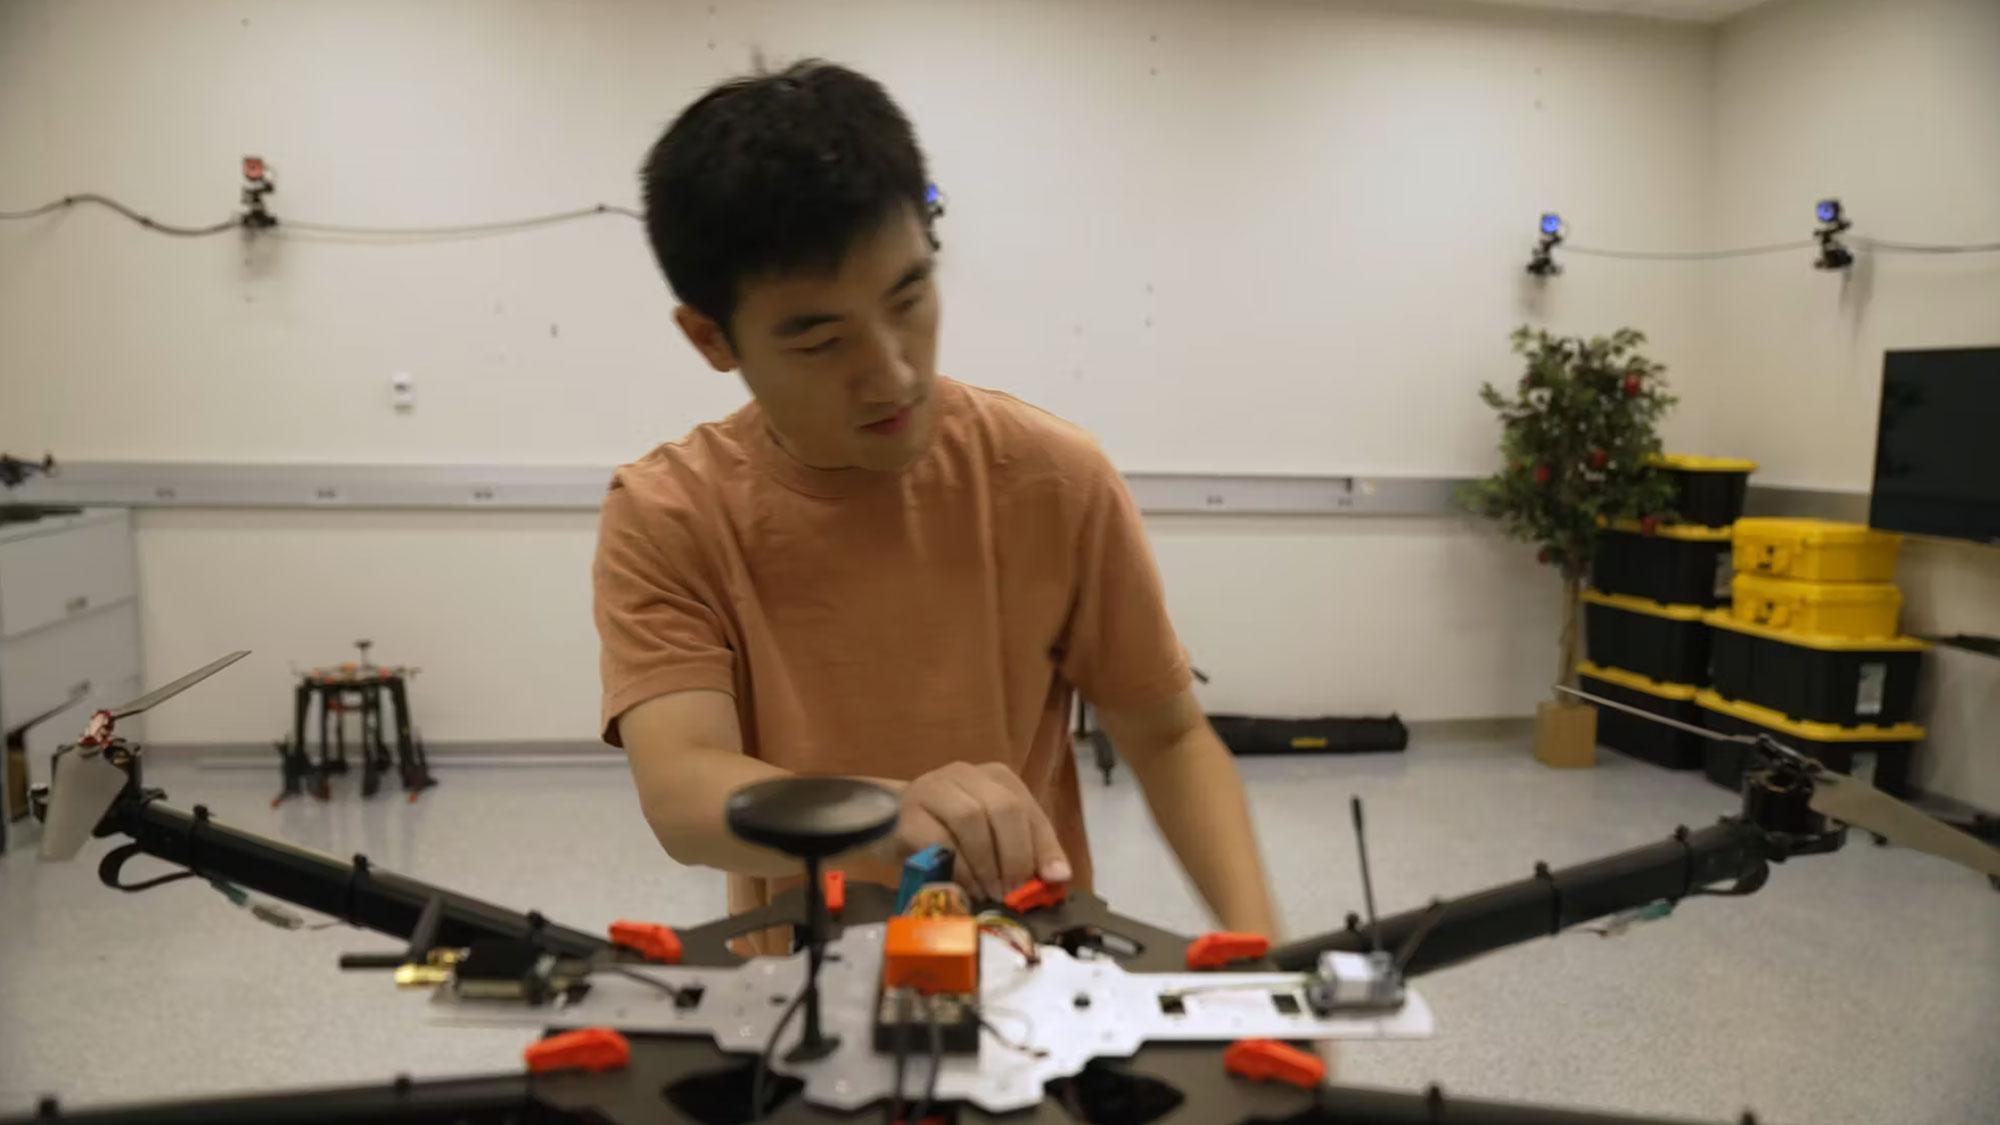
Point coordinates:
pixel 886 624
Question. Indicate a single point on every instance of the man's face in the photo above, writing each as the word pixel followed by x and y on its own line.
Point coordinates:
pixel 841 362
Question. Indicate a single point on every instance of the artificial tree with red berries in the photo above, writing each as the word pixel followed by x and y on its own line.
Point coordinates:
pixel 1577 441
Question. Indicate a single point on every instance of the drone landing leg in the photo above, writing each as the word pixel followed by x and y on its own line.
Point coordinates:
pixel 372 749
pixel 293 765
pixel 410 760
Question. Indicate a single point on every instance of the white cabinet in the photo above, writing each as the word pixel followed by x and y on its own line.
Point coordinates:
pixel 86 653
pixel 69 625
pixel 55 573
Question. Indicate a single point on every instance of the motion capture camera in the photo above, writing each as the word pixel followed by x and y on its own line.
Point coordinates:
pixel 1541 262
pixel 257 183
pixel 1833 255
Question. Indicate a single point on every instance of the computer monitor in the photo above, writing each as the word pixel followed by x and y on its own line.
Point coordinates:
pixel 1937 449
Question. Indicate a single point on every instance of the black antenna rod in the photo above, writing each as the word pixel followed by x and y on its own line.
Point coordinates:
pixel 1367 884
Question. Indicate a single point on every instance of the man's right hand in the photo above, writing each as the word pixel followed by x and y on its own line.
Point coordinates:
pixel 986 815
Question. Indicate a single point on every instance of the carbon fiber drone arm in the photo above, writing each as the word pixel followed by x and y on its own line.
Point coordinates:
pixel 353 891
pixel 1549 902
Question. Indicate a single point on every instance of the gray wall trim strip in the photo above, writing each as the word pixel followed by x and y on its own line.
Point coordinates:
pixel 557 751
pixel 176 484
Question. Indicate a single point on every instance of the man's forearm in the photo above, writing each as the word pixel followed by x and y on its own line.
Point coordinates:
pixel 686 809
pixel 684 805
pixel 1197 799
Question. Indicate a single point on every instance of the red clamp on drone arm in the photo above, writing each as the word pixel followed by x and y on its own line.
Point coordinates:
pixel 1034 895
pixel 1267 1060
pixel 651 940
pixel 589 1048
pixel 1212 951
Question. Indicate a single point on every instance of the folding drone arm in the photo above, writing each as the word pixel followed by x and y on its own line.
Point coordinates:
pixel 1777 823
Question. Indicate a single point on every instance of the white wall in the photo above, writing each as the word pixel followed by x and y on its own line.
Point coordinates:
pixel 1895 108
pixel 493 607
pixel 1435 618
pixel 1303 217
pixel 1241 237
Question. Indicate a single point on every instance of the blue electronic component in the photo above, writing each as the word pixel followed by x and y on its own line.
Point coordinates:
pixel 932 865
pixel 1828 210
pixel 1551 223
pixel 932 195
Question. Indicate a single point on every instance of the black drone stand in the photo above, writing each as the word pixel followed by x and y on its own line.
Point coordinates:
pixel 372 691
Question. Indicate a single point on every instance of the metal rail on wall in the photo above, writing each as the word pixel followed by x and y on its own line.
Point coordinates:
pixel 192 484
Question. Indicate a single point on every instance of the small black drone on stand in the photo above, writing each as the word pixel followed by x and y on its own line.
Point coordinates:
pixel 365 689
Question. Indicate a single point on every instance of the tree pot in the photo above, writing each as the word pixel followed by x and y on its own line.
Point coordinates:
pixel 1566 735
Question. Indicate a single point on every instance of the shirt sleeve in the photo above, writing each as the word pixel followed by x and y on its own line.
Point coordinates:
pixel 656 629
pixel 1120 649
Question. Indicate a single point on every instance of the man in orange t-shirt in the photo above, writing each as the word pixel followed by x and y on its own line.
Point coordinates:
pixel 873 570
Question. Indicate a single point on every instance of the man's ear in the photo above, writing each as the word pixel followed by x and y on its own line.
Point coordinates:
pixel 707 337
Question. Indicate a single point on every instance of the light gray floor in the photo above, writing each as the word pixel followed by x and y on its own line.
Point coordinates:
pixel 1861 987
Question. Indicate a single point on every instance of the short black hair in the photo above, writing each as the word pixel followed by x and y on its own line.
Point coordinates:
pixel 776 171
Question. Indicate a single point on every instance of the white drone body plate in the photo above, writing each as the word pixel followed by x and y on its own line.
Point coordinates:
pixel 1029 1007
